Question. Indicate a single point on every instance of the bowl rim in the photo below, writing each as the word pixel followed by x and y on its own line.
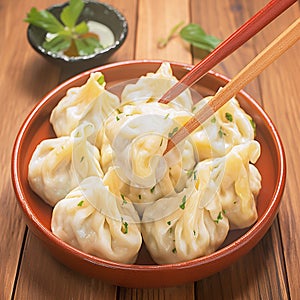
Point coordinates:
pixel 73 59
pixel 258 229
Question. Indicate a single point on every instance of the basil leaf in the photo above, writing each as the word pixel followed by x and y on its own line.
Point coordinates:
pixel 45 20
pixel 87 46
pixel 81 28
pixel 71 13
pixel 57 44
pixel 196 36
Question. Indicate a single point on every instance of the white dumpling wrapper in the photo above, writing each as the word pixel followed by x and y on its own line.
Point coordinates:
pixel 152 86
pixel 234 181
pixel 91 219
pixel 229 126
pixel 58 165
pixel 88 103
pixel 177 228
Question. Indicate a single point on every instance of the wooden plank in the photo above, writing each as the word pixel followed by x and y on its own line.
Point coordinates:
pixel 36 262
pixel 42 277
pixel 279 83
pixel 156 19
pixel 18 95
pixel 178 292
pixel 242 276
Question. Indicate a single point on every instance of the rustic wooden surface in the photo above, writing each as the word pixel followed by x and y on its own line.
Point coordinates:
pixel 271 269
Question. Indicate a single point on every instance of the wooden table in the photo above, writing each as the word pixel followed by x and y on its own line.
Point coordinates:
pixel 271 269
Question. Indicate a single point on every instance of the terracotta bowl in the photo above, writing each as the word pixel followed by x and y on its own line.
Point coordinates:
pixel 93 11
pixel 145 273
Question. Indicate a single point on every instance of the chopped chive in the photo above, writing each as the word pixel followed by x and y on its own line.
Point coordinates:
pixel 80 203
pixel 213 120
pixel 174 250
pixel 140 197
pixel 82 158
pixel 152 190
pixel 123 198
pixel 219 218
pixel 169 222
pixel 166 116
pixel 101 79
pixel 172 132
pixel 182 205
pixel 118 111
pixel 124 227
pixel 228 116
pixel 117 118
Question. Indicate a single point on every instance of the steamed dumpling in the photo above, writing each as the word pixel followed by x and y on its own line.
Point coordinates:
pixel 234 181
pixel 152 86
pixel 137 139
pixel 92 219
pixel 178 228
pixel 58 165
pixel 90 102
pixel 229 126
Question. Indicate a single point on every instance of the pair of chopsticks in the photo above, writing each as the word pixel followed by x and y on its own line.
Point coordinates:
pixel 283 42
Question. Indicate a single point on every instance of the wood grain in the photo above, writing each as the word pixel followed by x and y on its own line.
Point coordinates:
pixel 271 269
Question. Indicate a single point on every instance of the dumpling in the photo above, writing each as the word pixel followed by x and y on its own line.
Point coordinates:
pixel 138 138
pixel 234 181
pixel 229 126
pixel 92 219
pixel 90 102
pixel 60 164
pixel 152 86
pixel 178 228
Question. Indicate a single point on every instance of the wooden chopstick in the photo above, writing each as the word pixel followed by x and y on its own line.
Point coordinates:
pixel 262 18
pixel 283 42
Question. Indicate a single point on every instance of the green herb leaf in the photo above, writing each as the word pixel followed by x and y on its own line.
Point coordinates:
pixel 140 197
pixel 152 190
pixel 101 80
pixel 80 203
pixel 45 20
pixel 196 36
pixel 174 250
pixel 228 116
pixel 253 124
pixel 164 41
pixel 173 132
pixel 213 119
pixel 71 12
pixel 57 44
pixel 81 28
pixel 219 218
pixel 86 46
pixel 169 223
pixel 182 205
pixel 124 227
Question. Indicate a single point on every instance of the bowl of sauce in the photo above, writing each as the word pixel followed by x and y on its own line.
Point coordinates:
pixel 105 24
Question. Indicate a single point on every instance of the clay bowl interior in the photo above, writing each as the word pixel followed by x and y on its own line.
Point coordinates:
pixel 145 273
pixel 93 11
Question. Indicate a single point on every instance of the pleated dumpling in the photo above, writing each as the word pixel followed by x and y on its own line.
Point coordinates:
pixel 153 85
pixel 90 218
pixel 178 228
pixel 60 164
pixel 234 181
pixel 137 138
pixel 229 126
pixel 90 102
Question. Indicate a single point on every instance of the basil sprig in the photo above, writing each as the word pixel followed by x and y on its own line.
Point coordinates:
pixel 66 30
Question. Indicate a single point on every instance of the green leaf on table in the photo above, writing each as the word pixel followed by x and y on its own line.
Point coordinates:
pixel 45 20
pixel 71 13
pixel 196 36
